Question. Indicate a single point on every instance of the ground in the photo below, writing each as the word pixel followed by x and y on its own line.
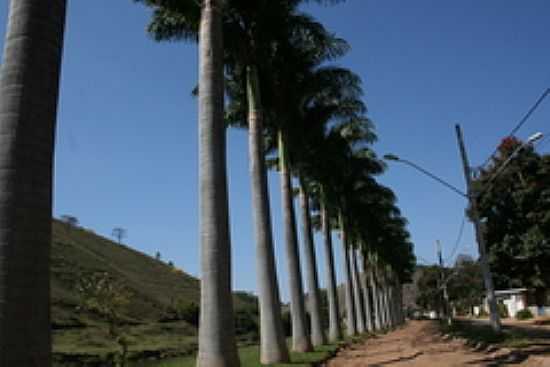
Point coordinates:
pixel 421 343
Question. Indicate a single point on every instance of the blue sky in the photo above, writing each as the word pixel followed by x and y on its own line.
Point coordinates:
pixel 127 128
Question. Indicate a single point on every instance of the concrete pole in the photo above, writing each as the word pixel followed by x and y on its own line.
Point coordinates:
pixel 484 263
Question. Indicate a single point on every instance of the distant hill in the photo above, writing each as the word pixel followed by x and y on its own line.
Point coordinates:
pixel 154 287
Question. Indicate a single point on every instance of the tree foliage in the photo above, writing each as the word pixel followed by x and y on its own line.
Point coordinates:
pixel 515 208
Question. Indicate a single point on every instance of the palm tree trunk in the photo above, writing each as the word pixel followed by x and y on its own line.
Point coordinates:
pixel 383 309
pixel 335 331
pixel 357 296
pixel 391 307
pixel 350 307
pixel 375 301
pixel 400 302
pixel 217 346
pixel 402 311
pixel 300 338
pixel 29 93
pixel 385 305
pixel 317 334
pixel 273 348
pixel 366 298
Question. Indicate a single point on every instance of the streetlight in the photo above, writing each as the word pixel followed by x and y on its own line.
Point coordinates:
pixel 473 201
pixel 530 141
pixel 393 157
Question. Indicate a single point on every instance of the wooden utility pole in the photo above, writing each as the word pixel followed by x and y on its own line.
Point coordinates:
pixel 474 212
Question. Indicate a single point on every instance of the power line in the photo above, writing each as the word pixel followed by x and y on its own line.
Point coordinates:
pixel 521 122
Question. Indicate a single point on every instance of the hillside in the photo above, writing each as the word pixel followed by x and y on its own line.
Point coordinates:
pixel 154 290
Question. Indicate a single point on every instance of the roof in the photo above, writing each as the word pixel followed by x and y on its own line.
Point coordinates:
pixel 511 291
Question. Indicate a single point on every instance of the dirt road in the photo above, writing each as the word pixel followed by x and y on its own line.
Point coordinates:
pixel 420 344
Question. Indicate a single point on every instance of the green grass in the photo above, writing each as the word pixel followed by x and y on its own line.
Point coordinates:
pixel 250 357
pixel 154 286
pixel 511 337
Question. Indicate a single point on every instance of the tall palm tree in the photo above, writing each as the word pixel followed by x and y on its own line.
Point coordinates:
pixel 29 90
pixel 351 320
pixel 217 345
pixel 317 333
pixel 375 299
pixel 300 339
pixel 272 342
pixel 335 330
pixel 357 292
pixel 366 296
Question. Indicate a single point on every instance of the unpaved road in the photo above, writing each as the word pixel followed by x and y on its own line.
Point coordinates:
pixel 420 344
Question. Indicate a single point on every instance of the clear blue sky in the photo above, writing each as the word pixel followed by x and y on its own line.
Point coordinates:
pixel 127 131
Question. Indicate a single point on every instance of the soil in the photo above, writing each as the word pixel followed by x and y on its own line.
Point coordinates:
pixel 420 343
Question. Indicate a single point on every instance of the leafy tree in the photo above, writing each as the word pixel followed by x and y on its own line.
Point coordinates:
pixel 100 294
pixel 465 284
pixel 119 233
pixel 515 208
pixel 429 292
pixel 70 220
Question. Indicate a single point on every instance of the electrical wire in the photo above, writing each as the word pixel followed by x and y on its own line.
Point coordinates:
pixel 521 122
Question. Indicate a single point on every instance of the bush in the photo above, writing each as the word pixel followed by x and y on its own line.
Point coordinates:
pixel 503 311
pixel 190 313
pixel 287 323
pixel 482 313
pixel 524 314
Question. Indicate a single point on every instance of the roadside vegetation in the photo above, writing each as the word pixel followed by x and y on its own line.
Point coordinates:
pixel 480 335
pixel 110 302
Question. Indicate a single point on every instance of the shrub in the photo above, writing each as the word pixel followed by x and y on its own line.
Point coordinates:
pixel 482 313
pixel 503 311
pixel 190 313
pixel 287 323
pixel 524 314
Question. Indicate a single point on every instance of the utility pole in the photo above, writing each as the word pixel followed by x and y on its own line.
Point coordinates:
pixel 446 306
pixel 486 271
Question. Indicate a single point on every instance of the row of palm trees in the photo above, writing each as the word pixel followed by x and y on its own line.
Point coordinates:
pixel 305 118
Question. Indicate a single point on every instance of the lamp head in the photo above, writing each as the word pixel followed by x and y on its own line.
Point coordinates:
pixel 391 157
pixel 535 137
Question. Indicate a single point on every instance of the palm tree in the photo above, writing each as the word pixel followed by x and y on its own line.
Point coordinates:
pixel 300 338
pixel 272 341
pixel 351 322
pixel 217 345
pixel 357 294
pixel 317 333
pixel 335 330
pixel 366 296
pixel 29 90
pixel 375 299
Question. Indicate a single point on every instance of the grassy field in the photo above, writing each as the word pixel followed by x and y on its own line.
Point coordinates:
pixel 250 357
pixel 512 336
pixel 154 287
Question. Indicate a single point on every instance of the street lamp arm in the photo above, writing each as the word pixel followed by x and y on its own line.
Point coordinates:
pixel 490 183
pixel 431 175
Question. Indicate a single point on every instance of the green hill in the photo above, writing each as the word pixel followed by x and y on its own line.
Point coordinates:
pixel 149 320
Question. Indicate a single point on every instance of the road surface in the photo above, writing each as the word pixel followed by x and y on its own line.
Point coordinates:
pixel 419 344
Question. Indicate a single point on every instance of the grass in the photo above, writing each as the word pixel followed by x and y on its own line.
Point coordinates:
pixel 154 287
pixel 250 357
pixel 511 337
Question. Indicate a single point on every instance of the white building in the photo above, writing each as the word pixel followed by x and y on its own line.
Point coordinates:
pixel 516 300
